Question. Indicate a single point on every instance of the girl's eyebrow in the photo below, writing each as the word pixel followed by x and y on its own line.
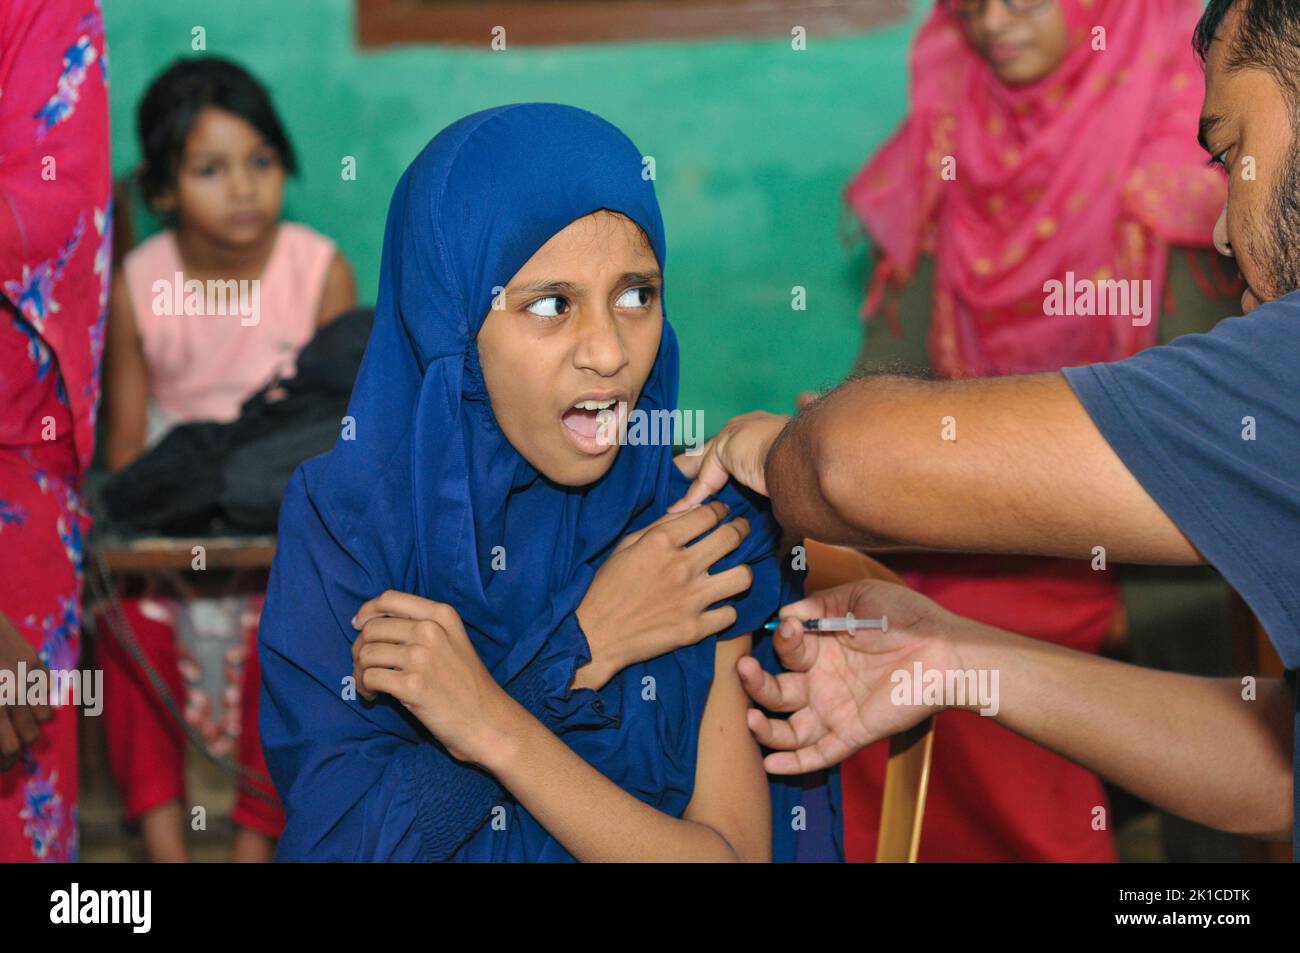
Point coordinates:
pixel 640 278
pixel 210 154
pixel 545 286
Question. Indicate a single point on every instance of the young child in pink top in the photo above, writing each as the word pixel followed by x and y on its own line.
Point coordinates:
pixel 201 316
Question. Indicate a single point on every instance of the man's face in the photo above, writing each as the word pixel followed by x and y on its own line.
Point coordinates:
pixel 1246 125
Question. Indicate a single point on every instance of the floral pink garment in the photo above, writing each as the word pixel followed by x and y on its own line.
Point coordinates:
pixel 55 240
pixel 1093 170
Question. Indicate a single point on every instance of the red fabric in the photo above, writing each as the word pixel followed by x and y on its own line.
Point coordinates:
pixel 55 180
pixel 55 236
pixel 147 747
pixel 257 806
pixel 41 523
pixel 994 796
pixel 1092 170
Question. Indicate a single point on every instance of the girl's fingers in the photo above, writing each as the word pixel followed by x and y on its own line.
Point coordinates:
pixel 382 655
pixel 728 583
pixel 723 540
pixel 717 620
pixel 385 629
pixel 402 605
pixel 696 522
pixel 635 536
pixel 375 680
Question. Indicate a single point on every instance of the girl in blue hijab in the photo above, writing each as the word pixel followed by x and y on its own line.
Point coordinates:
pixel 484 639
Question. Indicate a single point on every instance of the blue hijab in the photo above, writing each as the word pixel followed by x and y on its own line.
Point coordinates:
pixel 423 486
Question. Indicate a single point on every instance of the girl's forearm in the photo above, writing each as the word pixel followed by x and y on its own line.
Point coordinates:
pixel 1189 744
pixel 586 812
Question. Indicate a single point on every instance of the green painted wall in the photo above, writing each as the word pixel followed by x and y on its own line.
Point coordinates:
pixel 753 143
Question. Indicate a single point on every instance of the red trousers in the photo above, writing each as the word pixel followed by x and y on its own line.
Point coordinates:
pixel 146 745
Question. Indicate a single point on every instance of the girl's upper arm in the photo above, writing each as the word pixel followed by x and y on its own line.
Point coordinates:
pixel 731 793
pixel 339 293
pixel 126 380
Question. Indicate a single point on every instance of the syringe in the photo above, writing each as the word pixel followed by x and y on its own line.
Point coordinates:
pixel 846 624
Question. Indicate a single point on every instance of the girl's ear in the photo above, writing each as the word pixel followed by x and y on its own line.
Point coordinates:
pixel 165 203
pixel 160 203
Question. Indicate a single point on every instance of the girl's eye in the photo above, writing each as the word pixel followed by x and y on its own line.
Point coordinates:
pixel 207 170
pixel 635 297
pixel 263 162
pixel 552 306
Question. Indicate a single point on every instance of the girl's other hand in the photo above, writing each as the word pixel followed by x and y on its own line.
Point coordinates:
pixel 417 650
pixel 653 594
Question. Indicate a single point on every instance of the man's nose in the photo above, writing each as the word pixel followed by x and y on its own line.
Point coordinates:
pixel 1221 233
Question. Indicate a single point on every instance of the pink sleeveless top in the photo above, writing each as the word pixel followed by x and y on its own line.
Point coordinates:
pixel 210 346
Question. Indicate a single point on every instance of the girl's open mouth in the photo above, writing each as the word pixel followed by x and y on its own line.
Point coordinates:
pixel 592 425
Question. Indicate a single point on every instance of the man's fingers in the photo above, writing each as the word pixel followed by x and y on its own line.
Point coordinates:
pixel 689 463
pixel 785 734
pixel 785 692
pixel 796 649
pixel 799 761
pixel 711 476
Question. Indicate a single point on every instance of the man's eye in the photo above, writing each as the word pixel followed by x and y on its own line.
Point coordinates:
pixel 1221 160
pixel 552 306
pixel 635 297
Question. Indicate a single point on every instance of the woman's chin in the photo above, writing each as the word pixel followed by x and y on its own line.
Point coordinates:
pixel 568 467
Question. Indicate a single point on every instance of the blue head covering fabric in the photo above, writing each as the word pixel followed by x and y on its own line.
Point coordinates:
pixel 422 487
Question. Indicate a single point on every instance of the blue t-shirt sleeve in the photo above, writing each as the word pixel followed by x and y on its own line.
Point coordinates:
pixel 1210 426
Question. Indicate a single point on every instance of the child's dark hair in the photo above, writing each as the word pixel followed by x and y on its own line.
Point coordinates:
pixel 173 101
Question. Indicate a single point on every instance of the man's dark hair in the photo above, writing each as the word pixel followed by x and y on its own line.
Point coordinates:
pixel 1268 38
pixel 173 101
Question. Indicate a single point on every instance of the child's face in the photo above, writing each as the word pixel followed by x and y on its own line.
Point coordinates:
pixel 230 183
pixel 580 321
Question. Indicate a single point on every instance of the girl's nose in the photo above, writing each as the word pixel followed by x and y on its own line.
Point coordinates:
pixel 600 346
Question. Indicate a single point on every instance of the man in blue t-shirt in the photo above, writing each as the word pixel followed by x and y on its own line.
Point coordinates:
pixel 1182 454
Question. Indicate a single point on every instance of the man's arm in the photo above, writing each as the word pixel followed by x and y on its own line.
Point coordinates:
pixel 1189 744
pixel 1011 464
pixel 1203 748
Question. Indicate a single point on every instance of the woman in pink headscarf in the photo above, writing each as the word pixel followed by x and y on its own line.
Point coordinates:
pixel 1051 148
